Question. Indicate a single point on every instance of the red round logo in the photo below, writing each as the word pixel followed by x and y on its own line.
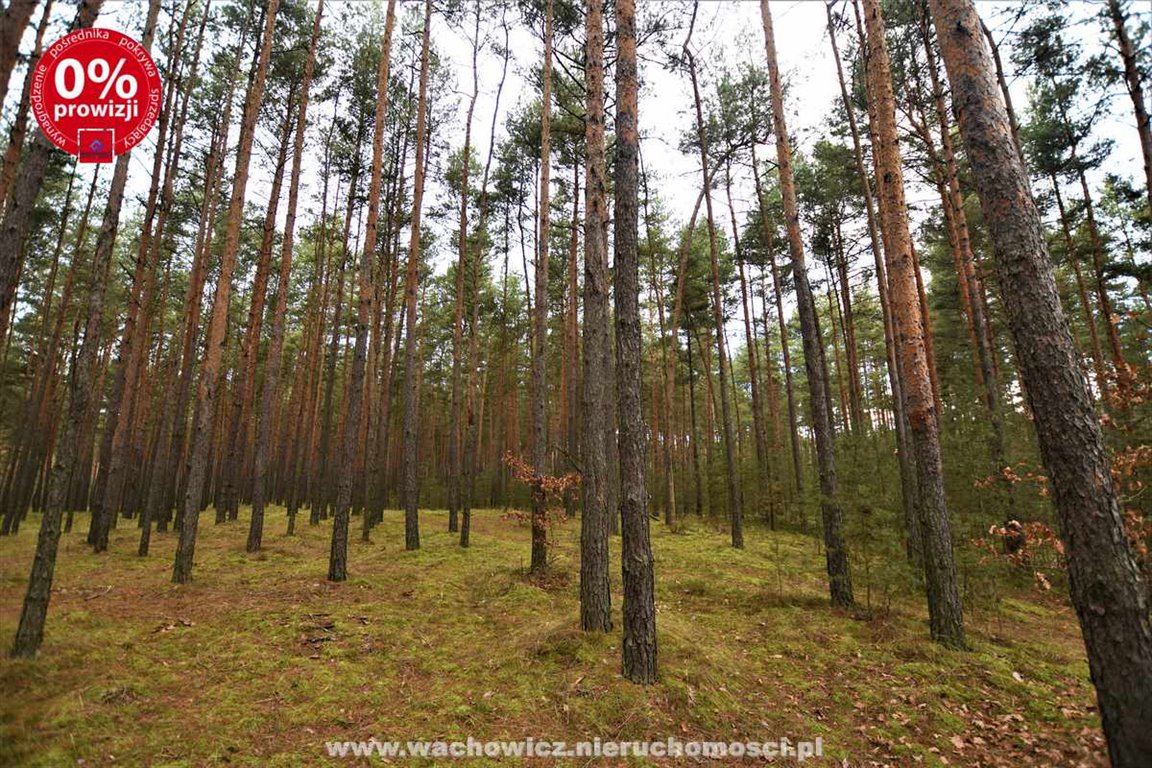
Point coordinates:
pixel 96 94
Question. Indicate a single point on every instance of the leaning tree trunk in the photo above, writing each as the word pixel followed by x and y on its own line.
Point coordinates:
pixel 215 341
pixel 338 559
pixel 945 613
pixel 1108 592
pixel 19 130
pixel 595 593
pixel 30 632
pixel 1133 79
pixel 275 355
pixel 12 24
pixel 836 552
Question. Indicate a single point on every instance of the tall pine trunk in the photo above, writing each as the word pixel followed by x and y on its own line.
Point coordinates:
pixel 215 341
pixel 539 561
pixel 639 609
pixel 904 456
pixel 1108 592
pixel 945 613
pixel 411 479
pixel 735 507
pixel 275 356
pixel 338 559
pixel 836 552
pixel 595 592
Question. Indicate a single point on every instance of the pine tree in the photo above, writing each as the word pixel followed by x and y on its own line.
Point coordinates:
pixel 1107 590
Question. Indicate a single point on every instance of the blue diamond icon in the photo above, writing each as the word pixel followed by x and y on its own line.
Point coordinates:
pixel 96 145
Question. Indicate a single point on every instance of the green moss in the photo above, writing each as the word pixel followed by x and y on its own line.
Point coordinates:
pixel 261 660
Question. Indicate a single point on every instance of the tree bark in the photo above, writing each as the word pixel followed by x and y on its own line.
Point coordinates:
pixel 836 553
pixel 275 355
pixel 539 561
pixel 945 613
pixel 595 592
pixel 639 610
pixel 735 507
pixel 216 340
pixel 411 479
pixel 338 558
pixel 1108 592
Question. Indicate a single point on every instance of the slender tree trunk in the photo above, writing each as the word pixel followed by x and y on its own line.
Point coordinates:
pixel 570 386
pixel 216 338
pixel 836 553
pixel 789 389
pixel 411 481
pixel 473 418
pixel 19 130
pixel 1108 592
pixel 539 561
pixel 836 333
pixel 455 437
pixel 1133 79
pixel 1111 321
pixel 945 613
pixel 1002 82
pixel 848 329
pixel 595 592
pixel 338 559
pixel 761 439
pixel 735 510
pixel 639 611
pixel 1082 291
pixel 275 356
pixel 667 362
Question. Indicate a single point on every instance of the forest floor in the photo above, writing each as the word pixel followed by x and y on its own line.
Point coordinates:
pixel 261 661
